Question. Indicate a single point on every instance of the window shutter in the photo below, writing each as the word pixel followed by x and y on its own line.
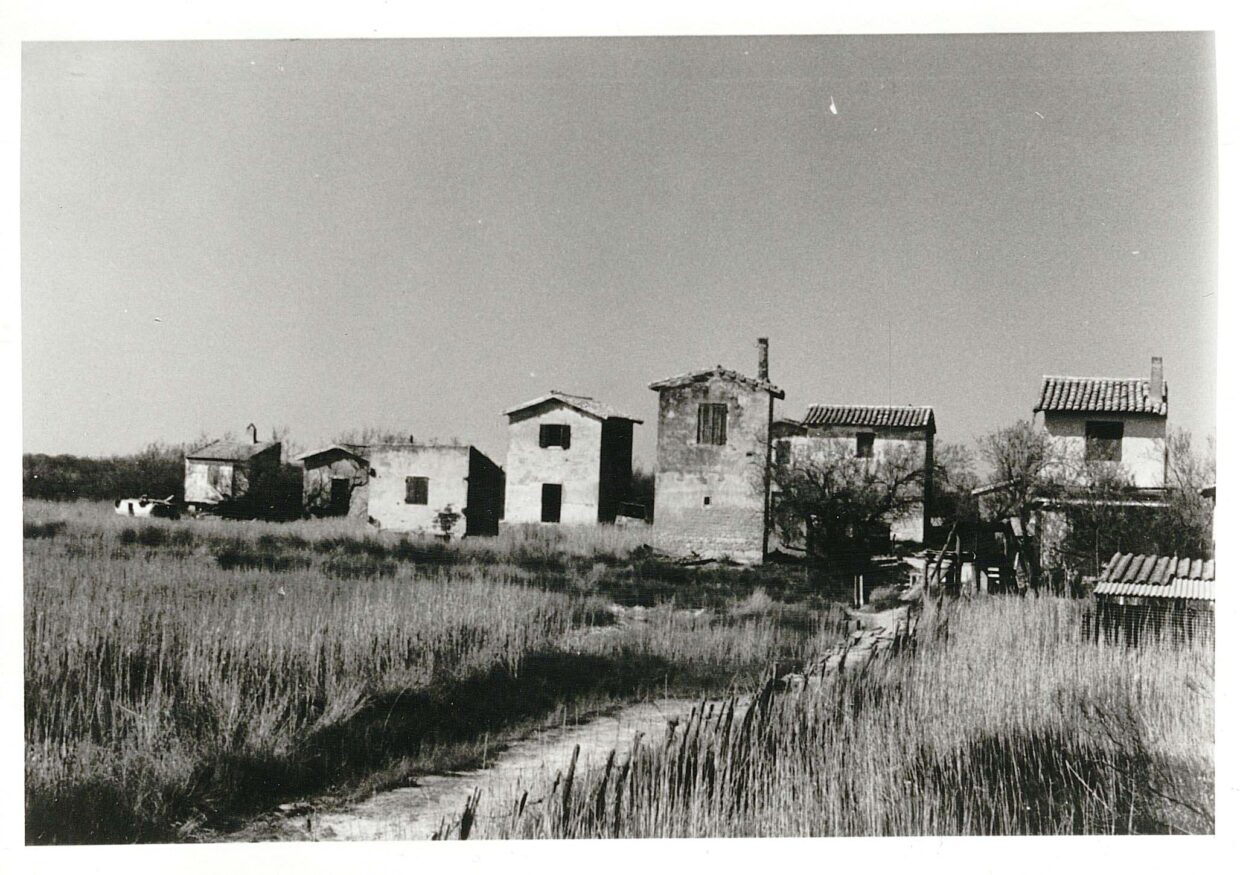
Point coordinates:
pixel 712 424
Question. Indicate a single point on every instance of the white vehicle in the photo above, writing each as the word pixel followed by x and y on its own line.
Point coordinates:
pixel 149 507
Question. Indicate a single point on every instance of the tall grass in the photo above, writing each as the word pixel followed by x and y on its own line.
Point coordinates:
pixel 182 671
pixel 1003 722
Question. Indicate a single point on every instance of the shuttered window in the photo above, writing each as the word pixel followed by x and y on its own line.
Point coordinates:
pixel 712 424
pixel 550 435
pixel 416 489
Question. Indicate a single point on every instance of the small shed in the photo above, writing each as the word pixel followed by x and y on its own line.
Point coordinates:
pixel 1167 596
pixel 231 476
pixel 335 480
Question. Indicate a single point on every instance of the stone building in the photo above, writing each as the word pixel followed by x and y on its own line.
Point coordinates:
pixel 570 460
pixel 231 476
pixel 434 489
pixel 712 465
pixel 334 480
pixel 867 432
pixel 1110 421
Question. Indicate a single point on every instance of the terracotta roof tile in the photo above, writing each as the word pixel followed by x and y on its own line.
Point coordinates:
pixel 1099 395
pixel 869 415
pixel 1157 576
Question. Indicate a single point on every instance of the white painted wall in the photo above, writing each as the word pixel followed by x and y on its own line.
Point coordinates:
pixel 1143 451
pixel 529 466
pixel 445 467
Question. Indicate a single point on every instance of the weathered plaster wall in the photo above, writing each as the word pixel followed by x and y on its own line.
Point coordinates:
pixel 446 468
pixel 208 482
pixel 529 466
pixel 686 473
pixel 317 482
pixel 1143 450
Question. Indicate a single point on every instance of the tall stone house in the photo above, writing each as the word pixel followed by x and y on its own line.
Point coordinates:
pixel 334 480
pixel 445 490
pixel 713 462
pixel 570 460
pixel 867 432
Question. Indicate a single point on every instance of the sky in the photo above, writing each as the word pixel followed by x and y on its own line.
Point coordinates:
pixel 323 235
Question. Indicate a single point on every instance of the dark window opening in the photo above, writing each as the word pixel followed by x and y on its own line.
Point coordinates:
pixel 706 501
pixel 416 489
pixel 712 426
pixel 783 453
pixel 553 435
pixel 1104 441
pixel 552 495
pixel 865 445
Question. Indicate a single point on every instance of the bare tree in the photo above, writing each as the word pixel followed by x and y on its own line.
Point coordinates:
pixel 835 502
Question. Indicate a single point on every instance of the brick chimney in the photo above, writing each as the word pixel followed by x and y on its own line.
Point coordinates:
pixel 1156 379
pixel 764 347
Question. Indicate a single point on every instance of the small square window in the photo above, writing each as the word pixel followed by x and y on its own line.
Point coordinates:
pixel 706 501
pixel 552 435
pixel 417 490
pixel 712 425
pixel 865 445
pixel 1104 441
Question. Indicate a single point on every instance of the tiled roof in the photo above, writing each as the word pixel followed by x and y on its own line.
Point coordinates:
pixel 1100 395
pixel 230 451
pixel 1158 576
pixel 584 403
pixel 870 415
pixel 718 371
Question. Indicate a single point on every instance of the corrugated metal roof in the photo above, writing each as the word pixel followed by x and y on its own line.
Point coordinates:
pixel 1157 576
pixel 230 451
pixel 1100 395
pixel 584 403
pixel 877 416
pixel 1178 588
pixel 718 371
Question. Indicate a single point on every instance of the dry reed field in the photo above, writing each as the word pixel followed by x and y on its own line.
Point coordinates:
pixel 180 675
pixel 1002 722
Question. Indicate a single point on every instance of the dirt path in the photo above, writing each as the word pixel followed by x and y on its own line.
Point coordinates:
pixel 416 812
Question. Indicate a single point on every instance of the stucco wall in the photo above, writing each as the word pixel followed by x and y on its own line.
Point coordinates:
pixel 316 482
pixel 203 488
pixel 687 473
pixel 529 466
pixel 446 469
pixel 1142 451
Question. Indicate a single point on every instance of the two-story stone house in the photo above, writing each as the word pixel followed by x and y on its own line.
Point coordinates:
pixel 711 488
pixel 570 460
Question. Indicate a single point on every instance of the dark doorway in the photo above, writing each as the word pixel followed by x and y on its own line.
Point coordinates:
pixel 340 496
pixel 552 493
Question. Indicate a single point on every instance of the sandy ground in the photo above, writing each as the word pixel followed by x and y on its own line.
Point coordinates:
pixel 417 811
